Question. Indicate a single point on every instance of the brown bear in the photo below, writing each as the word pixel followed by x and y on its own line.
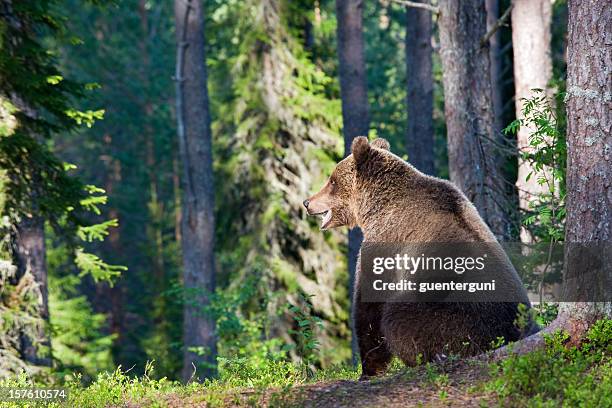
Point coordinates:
pixel 391 201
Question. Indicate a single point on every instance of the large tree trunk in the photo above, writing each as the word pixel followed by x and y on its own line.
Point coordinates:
pixel 354 95
pixel 589 193
pixel 30 259
pixel 198 201
pixel 419 95
pixel 475 165
pixel 588 231
pixel 495 59
pixel 532 69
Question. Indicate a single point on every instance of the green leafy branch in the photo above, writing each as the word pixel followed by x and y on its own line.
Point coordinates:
pixel 547 156
pixel 307 323
pixel 98 269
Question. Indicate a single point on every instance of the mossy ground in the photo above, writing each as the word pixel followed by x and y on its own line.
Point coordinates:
pixel 554 376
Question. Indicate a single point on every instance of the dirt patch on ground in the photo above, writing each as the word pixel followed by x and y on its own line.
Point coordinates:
pixel 437 386
pixel 453 385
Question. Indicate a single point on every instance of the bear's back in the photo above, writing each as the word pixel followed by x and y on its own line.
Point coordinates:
pixel 444 214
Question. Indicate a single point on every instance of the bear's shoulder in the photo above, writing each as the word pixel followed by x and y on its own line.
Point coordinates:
pixel 441 195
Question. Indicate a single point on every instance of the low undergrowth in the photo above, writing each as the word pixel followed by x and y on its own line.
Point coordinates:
pixel 558 375
pixel 554 376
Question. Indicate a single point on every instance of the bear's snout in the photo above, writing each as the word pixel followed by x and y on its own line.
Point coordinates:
pixel 306 202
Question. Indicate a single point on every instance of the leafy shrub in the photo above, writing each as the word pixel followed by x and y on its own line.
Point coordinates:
pixel 545 313
pixel 548 158
pixel 307 323
pixel 558 375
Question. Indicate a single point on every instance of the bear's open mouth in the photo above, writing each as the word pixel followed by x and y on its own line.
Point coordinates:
pixel 326 218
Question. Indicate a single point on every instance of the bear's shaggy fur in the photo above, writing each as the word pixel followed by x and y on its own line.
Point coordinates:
pixel 391 201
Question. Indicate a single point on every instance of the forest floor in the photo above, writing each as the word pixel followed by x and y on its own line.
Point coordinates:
pixel 458 385
pixel 455 387
pixel 557 374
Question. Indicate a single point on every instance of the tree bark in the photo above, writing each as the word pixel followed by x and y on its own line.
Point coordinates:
pixel 495 59
pixel 355 110
pixel 109 299
pixel 588 228
pixel 589 165
pixel 532 69
pixel 419 78
pixel 475 165
pixel 30 258
pixel 195 145
pixel 155 205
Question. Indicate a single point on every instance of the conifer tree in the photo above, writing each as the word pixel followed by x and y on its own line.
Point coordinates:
pixel 198 223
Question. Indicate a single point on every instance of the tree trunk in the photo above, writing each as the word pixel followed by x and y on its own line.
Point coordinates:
pixel 110 299
pixel 176 192
pixel 588 232
pixel 495 59
pixel 354 95
pixel 419 78
pixel 475 165
pixel 155 205
pixel 589 168
pixel 198 201
pixel 532 69
pixel 30 259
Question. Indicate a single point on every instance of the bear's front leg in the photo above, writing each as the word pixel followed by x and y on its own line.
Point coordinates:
pixel 375 356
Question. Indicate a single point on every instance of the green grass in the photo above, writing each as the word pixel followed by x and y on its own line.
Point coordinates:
pixel 554 376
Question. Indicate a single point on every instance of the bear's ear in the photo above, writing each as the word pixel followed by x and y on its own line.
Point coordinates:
pixel 360 149
pixel 381 144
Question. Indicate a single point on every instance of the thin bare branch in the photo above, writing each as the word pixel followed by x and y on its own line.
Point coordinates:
pixel 498 24
pixel 424 6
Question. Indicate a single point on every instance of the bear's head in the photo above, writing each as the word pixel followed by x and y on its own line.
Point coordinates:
pixel 337 202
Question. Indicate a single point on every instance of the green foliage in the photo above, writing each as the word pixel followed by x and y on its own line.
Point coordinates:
pixel 307 323
pixel 558 375
pixel 245 356
pixel 96 267
pixel 96 232
pixel 261 371
pixel 36 105
pixel 524 316
pixel 39 98
pixel 547 156
pixel 247 359
pixel 117 387
pixel 546 313
pixel 87 118
pixel 239 322
pixel 77 341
